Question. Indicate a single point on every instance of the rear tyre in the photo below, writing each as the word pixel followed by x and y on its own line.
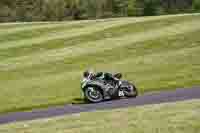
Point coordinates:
pixel 93 94
pixel 131 91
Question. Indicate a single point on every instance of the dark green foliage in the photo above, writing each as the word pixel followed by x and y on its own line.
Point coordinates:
pixel 196 5
pixel 58 10
pixel 150 7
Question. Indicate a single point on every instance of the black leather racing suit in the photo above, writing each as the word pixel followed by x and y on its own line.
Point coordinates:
pixel 109 77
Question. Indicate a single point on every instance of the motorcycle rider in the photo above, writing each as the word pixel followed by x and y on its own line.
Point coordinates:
pixel 106 76
pixel 101 75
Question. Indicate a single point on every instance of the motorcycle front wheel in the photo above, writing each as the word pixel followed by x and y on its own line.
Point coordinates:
pixel 93 94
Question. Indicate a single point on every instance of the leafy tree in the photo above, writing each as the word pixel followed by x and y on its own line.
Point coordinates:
pixel 150 7
pixel 196 5
pixel 121 7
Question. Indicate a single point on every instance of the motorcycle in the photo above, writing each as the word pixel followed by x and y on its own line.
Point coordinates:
pixel 96 90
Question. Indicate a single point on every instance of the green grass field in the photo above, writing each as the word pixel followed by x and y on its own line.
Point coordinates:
pixel 41 64
pixel 181 117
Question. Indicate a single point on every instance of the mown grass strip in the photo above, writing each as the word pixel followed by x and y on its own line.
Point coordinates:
pixel 155 60
pixel 11 29
pixel 92 29
pixel 38 31
pixel 101 45
pixel 153 65
pixel 118 31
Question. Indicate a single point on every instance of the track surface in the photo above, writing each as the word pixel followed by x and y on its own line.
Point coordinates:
pixel 155 98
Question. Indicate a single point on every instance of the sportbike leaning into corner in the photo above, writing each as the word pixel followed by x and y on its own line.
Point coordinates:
pixel 100 86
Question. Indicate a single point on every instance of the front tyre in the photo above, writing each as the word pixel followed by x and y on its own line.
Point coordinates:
pixel 93 94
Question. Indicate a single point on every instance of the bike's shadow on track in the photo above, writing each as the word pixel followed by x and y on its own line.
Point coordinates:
pixel 80 101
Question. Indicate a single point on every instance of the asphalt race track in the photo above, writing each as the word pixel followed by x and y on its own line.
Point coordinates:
pixel 154 98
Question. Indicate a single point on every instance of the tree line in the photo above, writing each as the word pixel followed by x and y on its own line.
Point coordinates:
pixel 59 10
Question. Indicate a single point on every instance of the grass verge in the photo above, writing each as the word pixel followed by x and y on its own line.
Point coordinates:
pixel 180 117
pixel 156 53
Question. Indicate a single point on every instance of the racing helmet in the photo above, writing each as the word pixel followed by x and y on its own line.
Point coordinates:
pixel 86 74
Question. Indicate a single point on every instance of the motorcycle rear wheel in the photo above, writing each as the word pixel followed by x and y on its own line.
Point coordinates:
pixel 131 93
